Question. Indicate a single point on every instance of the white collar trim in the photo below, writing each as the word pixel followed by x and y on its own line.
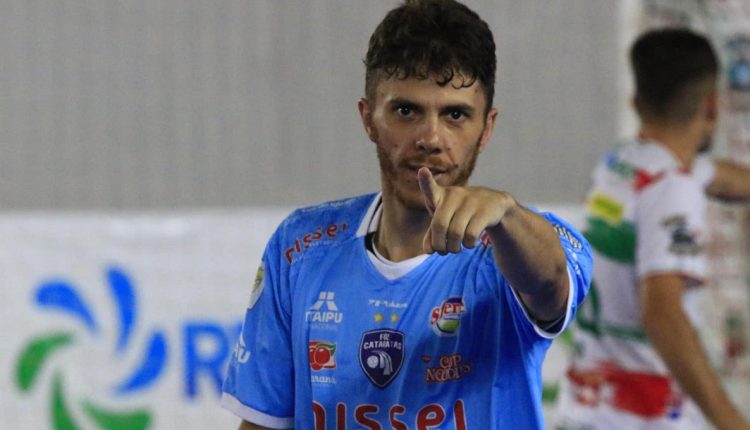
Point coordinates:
pixel 372 216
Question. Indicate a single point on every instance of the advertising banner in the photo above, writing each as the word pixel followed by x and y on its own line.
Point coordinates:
pixel 123 322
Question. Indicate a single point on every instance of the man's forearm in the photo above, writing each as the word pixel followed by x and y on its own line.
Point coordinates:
pixel 528 251
pixel 731 182
pixel 672 335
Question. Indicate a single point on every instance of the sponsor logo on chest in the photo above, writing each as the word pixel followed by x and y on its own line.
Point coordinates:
pixel 324 310
pixel 322 354
pixel 450 368
pixel 445 319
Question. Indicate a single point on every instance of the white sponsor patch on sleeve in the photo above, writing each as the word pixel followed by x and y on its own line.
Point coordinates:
pixel 258 286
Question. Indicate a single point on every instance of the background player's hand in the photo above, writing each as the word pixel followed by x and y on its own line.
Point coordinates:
pixel 459 214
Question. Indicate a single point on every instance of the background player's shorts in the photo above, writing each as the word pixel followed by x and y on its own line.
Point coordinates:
pixel 572 414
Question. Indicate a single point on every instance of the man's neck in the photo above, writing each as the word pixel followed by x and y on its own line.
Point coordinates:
pixel 401 230
pixel 683 142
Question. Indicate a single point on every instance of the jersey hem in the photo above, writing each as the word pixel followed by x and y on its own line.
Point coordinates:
pixel 247 413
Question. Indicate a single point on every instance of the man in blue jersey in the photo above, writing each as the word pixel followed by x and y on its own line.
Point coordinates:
pixel 432 303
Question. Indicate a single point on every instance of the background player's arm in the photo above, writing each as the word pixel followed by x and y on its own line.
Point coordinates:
pixel 731 181
pixel 672 335
pixel 527 248
pixel 245 425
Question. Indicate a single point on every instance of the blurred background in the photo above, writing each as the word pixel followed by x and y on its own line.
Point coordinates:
pixel 148 149
pixel 192 104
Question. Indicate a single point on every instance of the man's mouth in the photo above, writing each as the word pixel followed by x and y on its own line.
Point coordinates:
pixel 436 171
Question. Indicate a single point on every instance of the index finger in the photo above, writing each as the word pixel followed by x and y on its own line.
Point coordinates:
pixel 430 189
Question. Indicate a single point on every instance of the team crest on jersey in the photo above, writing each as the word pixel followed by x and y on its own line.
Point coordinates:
pixel 684 241
pixel 258 286
pixel 381 354
pixel 446 318
pixel 322 354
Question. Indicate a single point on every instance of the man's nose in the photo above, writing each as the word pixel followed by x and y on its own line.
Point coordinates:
pixel 428 137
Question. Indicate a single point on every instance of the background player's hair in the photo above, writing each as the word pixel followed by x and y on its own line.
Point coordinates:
pixel 424 38
pixel 674 69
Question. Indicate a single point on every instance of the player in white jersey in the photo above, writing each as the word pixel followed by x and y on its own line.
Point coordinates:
pixel 638 363
pixel 430 304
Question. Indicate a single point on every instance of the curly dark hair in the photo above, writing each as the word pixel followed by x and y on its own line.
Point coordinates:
pixel 442 39
pixel 674 68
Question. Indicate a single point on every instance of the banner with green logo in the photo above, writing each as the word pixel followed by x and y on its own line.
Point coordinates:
pixel 123 322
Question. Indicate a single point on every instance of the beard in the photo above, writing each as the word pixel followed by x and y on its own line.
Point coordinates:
pixel 405 192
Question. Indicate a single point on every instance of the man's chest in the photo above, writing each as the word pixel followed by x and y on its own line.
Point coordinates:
pixel 365 335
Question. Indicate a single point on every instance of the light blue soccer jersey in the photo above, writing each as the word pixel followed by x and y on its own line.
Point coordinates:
pixel 329 343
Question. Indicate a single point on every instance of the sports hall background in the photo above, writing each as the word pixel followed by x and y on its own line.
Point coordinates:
pixel 149 148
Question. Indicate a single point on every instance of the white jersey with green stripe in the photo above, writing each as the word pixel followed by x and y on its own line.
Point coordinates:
pixel 645 215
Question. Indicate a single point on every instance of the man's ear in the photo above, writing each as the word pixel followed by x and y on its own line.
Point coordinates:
pixel 365 113
pixel 712 107
pixel 635 103
pixel 489 127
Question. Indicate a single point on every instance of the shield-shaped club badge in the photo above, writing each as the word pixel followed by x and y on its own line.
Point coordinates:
pixel 381 354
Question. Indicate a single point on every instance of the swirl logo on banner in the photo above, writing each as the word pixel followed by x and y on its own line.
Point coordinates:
pixel 37 355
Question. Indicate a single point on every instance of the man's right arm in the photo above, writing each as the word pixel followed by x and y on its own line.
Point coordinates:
pixel 731 182
pixel 672 335
pixel 245 425
pixel 267 400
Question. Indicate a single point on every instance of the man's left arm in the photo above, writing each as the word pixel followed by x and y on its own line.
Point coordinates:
pixel 731 181
pixel 527 248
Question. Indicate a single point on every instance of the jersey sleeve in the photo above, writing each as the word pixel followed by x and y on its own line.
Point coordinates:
pixel 259 386
pixel 579 260
pixel 670 224
pixel 704 169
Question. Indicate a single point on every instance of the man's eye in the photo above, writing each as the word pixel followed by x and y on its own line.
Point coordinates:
pixel 404 110
pixel 457 115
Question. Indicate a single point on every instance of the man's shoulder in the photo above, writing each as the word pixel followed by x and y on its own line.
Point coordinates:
pixel 322 224
pixel 638 165
pixel 344 205
pixel 650 156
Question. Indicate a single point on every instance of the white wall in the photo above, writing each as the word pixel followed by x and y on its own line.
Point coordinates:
pixel 164 103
